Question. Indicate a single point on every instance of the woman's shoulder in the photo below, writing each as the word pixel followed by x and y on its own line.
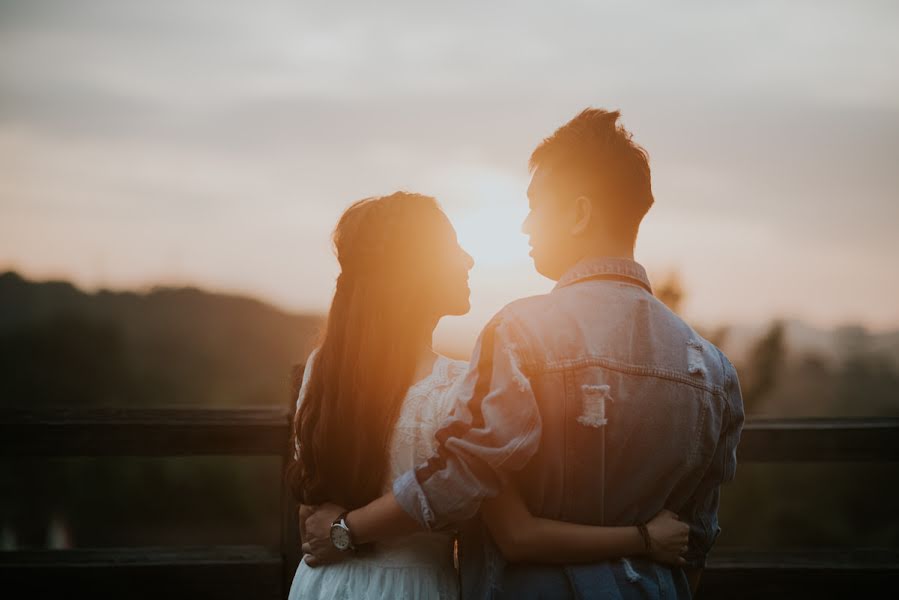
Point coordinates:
pixel 307 372
pixel 457 368
pixel 452 368
pixel 452 377
pixel 311 357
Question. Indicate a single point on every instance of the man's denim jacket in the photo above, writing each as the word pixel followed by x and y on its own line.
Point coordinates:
pixel 604 407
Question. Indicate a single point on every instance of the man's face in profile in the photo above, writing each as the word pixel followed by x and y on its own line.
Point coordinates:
pixel 548 226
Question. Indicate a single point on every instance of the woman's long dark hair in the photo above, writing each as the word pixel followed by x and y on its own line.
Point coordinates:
pixel 379 317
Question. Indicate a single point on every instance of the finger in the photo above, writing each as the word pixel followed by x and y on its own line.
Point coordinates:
pixel 309 512
pixel 306 548
pixel 301 522
pixel 303 513
pixel 311 561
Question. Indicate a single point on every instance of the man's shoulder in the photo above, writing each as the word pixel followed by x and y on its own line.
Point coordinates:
pixel 728 374
pixel 722 370
pixel 524 311
pixel 715 362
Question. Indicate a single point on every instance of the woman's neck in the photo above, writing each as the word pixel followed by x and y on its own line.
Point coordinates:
pixel 426 358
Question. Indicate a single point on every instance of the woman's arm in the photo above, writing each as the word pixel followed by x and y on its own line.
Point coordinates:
pixel 524 538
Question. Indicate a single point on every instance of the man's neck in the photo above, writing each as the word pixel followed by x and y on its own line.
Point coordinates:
pixel 607 252
pixel 606 246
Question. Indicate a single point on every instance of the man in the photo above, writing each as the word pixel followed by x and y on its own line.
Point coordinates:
pixel 597 401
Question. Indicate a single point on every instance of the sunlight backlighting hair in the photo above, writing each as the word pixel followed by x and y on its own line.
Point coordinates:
pixel 595 156
pixel 380 313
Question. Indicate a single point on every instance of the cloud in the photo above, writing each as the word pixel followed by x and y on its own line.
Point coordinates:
pixel 780 117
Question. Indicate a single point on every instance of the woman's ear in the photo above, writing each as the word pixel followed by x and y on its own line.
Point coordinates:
pixel 583 211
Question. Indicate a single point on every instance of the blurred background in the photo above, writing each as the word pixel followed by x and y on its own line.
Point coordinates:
pixel 170 174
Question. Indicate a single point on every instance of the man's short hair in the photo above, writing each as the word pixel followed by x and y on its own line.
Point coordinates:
pixel 593 155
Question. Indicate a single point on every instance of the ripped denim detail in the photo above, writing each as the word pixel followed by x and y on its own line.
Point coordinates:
pixel 594 405
pixel 695 361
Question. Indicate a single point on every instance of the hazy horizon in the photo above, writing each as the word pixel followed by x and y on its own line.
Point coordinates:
pixel 459 341
pixel 215 144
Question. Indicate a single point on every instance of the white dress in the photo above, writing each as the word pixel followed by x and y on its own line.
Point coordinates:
pixel 411 567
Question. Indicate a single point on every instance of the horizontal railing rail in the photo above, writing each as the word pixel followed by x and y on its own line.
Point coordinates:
pixel 735 574
pixel 222 572
pixel 144 431
pixel 264 431
pixel 820 440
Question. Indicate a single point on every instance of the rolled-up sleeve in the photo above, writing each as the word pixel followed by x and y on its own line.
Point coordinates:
pixel 494 429
pixel 702 511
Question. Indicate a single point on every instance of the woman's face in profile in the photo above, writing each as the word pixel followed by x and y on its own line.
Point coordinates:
pixel 447 271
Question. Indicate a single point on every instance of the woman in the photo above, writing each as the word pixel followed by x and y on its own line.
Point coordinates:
pixel 374 393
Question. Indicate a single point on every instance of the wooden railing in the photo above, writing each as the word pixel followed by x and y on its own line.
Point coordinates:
pixel 260 572
pixel 220 572
pixel 808 572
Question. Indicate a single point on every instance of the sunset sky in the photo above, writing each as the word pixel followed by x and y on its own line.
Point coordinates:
pixel 216 143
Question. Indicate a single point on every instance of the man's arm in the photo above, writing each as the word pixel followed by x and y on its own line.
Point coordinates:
pixel 494 430
pixel 701 513
pixel 495 427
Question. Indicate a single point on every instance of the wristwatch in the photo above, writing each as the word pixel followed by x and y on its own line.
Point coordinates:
pixel 340 534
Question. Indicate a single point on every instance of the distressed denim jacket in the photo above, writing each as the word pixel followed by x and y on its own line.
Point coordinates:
pixel 603 407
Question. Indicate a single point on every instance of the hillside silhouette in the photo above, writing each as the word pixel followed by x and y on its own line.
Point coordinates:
pixel 60 345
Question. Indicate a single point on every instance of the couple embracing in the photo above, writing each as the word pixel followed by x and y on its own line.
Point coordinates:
pixel 579 454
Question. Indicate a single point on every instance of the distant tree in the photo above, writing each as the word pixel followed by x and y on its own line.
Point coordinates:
pixel 671 292
pixel 764 366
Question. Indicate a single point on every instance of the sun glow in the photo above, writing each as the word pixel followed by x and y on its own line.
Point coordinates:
pixel 487 212
pixel 487 208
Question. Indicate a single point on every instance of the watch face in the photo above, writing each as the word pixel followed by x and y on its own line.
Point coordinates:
pixel 340 537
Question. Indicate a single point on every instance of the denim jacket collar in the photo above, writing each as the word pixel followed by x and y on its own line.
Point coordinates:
pixel 622 268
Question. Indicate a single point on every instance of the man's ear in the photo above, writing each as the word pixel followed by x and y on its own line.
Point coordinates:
pixel 583 211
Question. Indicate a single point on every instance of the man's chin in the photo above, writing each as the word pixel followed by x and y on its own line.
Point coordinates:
pixel 546 270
